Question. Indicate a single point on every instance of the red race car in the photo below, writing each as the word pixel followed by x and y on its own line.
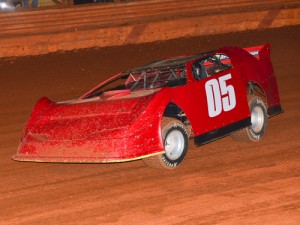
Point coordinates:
pixel 150 112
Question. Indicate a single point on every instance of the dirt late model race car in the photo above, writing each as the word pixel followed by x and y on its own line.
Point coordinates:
pixel 150 112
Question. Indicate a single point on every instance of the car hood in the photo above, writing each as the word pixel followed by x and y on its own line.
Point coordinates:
pixel 96 118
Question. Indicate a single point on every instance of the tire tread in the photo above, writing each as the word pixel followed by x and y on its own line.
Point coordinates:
pixel 244 134
pixel 156 161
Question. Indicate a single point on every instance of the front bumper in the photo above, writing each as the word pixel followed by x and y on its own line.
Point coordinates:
pixel 88 151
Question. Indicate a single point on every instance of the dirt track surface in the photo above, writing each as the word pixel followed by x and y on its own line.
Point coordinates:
pixel 224 182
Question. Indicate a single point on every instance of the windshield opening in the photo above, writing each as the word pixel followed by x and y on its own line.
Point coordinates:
pixel 143 80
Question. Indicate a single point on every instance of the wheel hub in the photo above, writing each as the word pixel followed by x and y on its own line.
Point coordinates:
pixel 174 145
pixel 257 119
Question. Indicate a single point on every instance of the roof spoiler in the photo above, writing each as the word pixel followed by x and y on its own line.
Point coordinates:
pixel 259 52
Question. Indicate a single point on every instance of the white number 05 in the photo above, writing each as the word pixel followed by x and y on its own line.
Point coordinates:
pixel 219 95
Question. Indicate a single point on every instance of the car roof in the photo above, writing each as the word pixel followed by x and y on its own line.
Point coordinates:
pixel 173 62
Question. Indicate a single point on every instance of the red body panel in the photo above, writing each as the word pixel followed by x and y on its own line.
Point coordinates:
pixel 124 125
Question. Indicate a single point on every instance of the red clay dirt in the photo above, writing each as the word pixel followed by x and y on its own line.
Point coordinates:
pixel 224 182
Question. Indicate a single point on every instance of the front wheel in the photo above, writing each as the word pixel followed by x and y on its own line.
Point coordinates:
pixel 258 125
pixel 175 139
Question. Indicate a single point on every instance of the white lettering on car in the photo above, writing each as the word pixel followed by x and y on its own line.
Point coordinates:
pixel 220 96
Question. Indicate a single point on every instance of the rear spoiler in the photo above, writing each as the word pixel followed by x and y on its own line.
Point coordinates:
pixel 259 52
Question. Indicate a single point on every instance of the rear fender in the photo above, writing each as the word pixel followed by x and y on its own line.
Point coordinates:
pixel 265 79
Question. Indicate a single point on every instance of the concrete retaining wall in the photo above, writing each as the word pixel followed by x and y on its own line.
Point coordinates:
pixel 43 31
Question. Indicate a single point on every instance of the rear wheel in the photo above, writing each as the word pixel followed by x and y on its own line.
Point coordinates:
pixel 258 125
pixel 175 139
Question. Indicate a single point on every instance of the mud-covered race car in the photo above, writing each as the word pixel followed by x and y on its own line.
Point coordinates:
pixel 150 112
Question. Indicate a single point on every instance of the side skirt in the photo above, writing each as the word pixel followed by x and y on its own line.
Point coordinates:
pixel 221 132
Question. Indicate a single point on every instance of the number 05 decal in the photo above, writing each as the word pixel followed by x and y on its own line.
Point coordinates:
pixel 219 95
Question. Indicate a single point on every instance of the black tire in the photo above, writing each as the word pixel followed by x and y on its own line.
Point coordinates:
pixel 173 131
pixel 258 127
